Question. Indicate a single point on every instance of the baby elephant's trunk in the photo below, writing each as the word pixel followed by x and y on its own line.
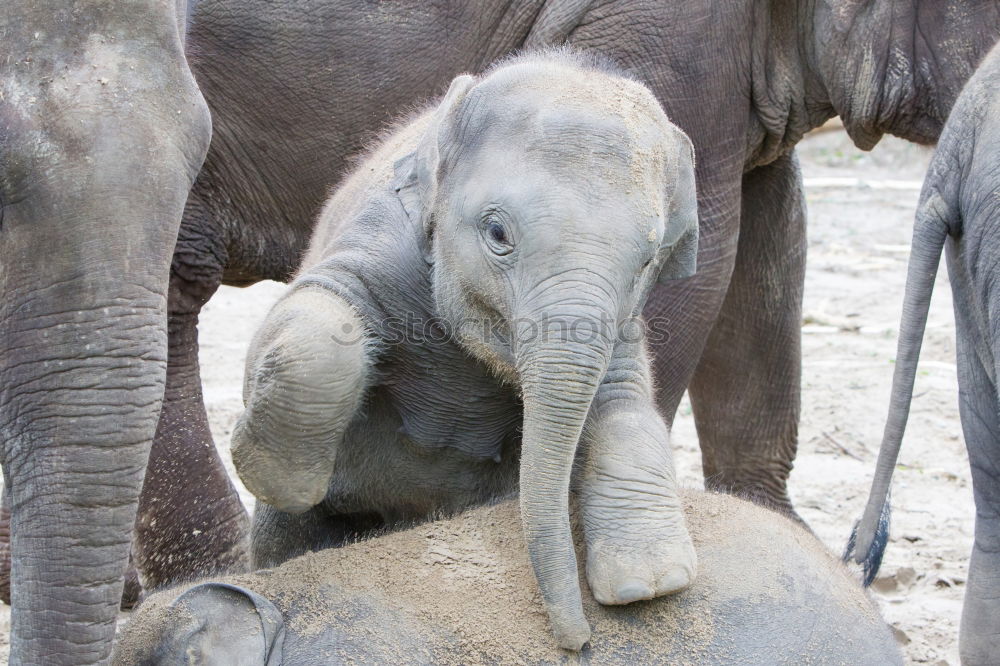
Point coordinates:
pixel 559 378
pixel 305 376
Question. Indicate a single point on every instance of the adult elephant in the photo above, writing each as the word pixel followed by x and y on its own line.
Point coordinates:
pixel 294 89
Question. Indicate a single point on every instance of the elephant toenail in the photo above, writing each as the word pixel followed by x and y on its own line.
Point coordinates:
pixel 633 590
pixel 675 581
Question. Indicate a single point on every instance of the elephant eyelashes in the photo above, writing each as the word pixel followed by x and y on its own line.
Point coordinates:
pixel 497 238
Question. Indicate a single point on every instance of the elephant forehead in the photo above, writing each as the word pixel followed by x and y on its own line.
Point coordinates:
pixel 571 135
pixel 539 186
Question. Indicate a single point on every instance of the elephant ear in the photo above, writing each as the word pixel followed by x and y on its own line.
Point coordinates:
pixel 416 176
pixel 218 623
pixel 680 234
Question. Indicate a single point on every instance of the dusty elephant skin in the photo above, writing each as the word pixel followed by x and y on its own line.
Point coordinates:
pixel 460 591
pixel 295 88
pixel 102 131
pixel 513 232
pixel 959 212
pixel 252 210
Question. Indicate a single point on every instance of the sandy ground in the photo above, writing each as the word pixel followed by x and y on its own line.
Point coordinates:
pixel 861 210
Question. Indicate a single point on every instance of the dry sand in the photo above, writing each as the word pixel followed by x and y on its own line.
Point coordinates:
pixel 860 217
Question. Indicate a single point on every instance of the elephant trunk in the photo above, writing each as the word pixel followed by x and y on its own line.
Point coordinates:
pixel 305 375
pixel 559 378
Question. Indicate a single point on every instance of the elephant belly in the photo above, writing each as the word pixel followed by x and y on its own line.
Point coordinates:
pixel 383 467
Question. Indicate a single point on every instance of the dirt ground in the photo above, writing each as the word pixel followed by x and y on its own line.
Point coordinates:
pixel 860 217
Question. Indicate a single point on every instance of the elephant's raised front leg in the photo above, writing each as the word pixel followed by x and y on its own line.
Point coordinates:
pixel 638 546
pixel 752 364
pixel 306 376
pixel 191 521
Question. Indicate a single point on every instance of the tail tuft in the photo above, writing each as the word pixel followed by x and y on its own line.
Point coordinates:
pixel 871 560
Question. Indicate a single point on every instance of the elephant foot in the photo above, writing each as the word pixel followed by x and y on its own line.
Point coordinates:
pixel 638 545
pixel 620 571
pixel 306 371
pixel 263 472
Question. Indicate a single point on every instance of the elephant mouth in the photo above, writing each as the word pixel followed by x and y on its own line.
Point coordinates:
pixel 486 334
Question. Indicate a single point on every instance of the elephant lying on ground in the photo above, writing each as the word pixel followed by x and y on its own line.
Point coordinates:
pixel 461 591
pixel 469 307
pixel 959 210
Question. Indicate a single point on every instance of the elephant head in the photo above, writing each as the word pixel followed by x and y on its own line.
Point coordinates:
pixel 217 623
pixel 552 199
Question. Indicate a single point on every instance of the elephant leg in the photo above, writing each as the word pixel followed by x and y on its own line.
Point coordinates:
pixel 745 392
pixel 5 547
pixel 277 536
pixel 191 521
pixel 94 173
pixel 130 595
pixel 306 377
pixel 979 641
pixel 638 546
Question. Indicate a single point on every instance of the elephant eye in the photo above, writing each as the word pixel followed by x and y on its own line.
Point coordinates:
pixel 497 233
pixel 496 236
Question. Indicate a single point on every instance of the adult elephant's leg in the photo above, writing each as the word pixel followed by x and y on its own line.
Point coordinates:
pixel 191 521
pixel 5 547
pixel 103 130
pixel 745 392
pixel 130 595
pixel 679 315
pixel 979 640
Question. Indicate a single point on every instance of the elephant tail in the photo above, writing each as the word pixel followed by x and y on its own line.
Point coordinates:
pixel 870 535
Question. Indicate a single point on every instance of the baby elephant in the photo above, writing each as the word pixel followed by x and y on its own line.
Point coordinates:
pixel 460 591
pixel 960 210
pixel 467 315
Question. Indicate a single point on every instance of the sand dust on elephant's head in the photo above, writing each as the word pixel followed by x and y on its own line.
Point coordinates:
pixel 721 526
pixel 469 579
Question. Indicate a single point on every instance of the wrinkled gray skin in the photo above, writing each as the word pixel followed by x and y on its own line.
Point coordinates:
pixel 93 180
pixel 959 210
pixel 768 593
pixel 543 200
